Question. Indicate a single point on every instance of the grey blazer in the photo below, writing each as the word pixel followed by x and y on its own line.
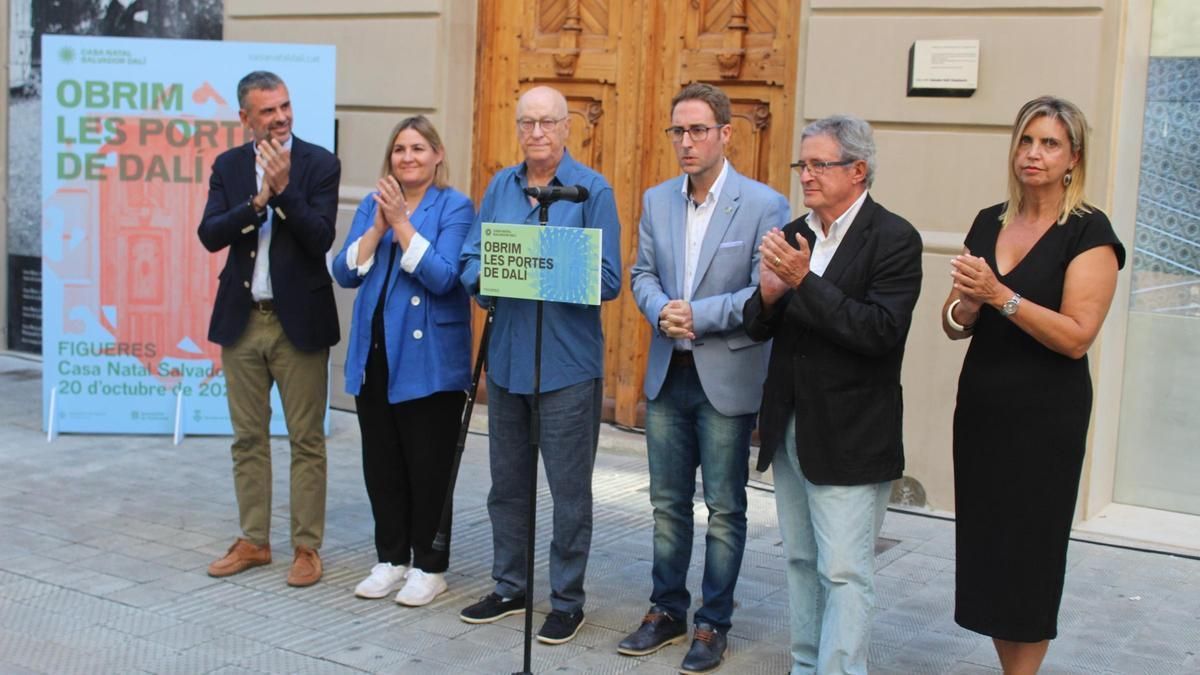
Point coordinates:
pixel 730 364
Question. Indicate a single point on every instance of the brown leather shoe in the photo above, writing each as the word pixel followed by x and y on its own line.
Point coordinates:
pixel 306 567
pixel 240 557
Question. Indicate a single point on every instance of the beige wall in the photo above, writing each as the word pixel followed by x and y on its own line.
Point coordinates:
pixel 1176 28
pixel 943 159
pixel 394 58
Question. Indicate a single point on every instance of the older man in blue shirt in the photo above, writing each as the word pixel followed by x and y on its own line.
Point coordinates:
pixel 571 375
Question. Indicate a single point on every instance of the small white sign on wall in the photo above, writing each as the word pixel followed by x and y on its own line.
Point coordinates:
pixel 943 68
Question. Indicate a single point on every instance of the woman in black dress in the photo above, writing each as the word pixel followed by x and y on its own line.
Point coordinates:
pixel 1031 289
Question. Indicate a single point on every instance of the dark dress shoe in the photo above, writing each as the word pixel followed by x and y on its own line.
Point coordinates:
pixel 658 630
pixel 708 649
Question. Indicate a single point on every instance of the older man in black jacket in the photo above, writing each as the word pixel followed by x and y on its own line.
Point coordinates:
pixel 836 293
pixel 273 204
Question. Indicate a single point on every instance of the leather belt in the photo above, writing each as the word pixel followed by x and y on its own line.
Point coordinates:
pixel 263 305
pixel 682 358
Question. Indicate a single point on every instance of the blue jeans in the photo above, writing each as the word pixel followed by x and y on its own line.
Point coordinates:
pixel 684 431
pixel 829 536
pixel 570 430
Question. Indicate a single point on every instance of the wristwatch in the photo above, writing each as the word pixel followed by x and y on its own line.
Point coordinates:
pixel 1010 306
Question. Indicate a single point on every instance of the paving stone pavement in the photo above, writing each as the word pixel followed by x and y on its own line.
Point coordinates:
pixel 104 542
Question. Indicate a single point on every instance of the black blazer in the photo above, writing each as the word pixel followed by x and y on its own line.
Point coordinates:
pixel 835 360
pixel 302 231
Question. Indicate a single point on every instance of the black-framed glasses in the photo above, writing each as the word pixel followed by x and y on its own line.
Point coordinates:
pixel 547 125
pixel 816 168
pixel 698 132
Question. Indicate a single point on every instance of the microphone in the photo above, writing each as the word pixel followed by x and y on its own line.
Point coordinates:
pixel 557 193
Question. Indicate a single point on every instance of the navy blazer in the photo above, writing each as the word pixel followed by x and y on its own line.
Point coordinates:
pixel 426 315
pixel 302 232
pixel 835 362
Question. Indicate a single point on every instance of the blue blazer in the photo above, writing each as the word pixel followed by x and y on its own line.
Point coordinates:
pixel 426 323
pixel 731 365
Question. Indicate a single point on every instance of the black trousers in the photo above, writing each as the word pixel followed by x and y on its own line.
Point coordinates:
pixel 408 449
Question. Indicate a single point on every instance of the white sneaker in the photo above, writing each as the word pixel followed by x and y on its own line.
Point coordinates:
pixel 421 588
pixel 384 578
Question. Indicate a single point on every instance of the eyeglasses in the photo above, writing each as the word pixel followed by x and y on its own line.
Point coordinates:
pixel 527 125
pixel 817 168
pixel 698 132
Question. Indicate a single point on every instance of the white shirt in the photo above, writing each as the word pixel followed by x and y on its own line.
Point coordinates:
pixel 260 281
pixel 695 227
pixel 827 244
pixel 408 261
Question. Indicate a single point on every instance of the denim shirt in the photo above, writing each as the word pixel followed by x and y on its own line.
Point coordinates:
pixel 572 339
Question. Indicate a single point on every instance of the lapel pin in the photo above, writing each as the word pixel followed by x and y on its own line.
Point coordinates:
pixel 279 212
pixel 248 228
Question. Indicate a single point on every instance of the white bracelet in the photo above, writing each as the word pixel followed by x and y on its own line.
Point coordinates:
pixel 954 324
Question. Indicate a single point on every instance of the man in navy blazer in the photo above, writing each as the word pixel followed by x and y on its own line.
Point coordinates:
pixel 273 204
pixel 836 296
pixel 697 265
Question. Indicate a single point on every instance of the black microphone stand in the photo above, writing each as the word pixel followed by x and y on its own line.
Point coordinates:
pixel 441 541
pixel 535 431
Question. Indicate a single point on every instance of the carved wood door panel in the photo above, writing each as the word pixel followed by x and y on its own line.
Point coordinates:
pixel 619 63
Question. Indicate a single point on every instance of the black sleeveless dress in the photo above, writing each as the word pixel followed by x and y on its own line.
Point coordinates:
pixel 1020 429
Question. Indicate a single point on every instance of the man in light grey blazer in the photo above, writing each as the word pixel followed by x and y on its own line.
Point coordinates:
pixel 697 265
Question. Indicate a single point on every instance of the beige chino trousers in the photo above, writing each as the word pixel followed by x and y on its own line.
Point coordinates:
pixel 263 355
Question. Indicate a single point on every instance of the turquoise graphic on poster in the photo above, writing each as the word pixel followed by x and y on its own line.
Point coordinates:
pixel 530 262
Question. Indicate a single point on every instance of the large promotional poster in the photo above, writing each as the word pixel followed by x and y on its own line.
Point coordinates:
pixel 130 128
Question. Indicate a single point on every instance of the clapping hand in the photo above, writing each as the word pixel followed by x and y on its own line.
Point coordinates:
pixel 276 163
pixel 976 283
pixel 390 199
pixel 782 266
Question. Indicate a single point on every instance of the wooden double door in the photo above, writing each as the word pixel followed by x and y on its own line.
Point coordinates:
pixel 619 63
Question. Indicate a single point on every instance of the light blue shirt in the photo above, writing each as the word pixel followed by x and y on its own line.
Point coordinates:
pixel 572 339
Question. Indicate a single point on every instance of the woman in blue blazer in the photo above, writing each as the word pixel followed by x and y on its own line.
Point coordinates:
pixel 409 357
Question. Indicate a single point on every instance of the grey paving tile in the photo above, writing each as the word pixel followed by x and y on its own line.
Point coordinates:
pixel 281 661
pixel 1130 663
pixel 146 605
pixel 139 623
pixel 427 667
pixel 407 639
pixel 185 582
pixel 132 655
pixel 459 652
pixel 189 664
pixel 446 626
pixel 143 595
pixel 28 563
pixel 183 635
pixel 963 668
pixel 494 636
pixel 73 554
pixel 368 657
pixel 25 589
pixel 232 648
pixel 930 653
pixel 758 661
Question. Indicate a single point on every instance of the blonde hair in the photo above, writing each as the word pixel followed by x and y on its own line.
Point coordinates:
pixel 1072 118
pixel 422 125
